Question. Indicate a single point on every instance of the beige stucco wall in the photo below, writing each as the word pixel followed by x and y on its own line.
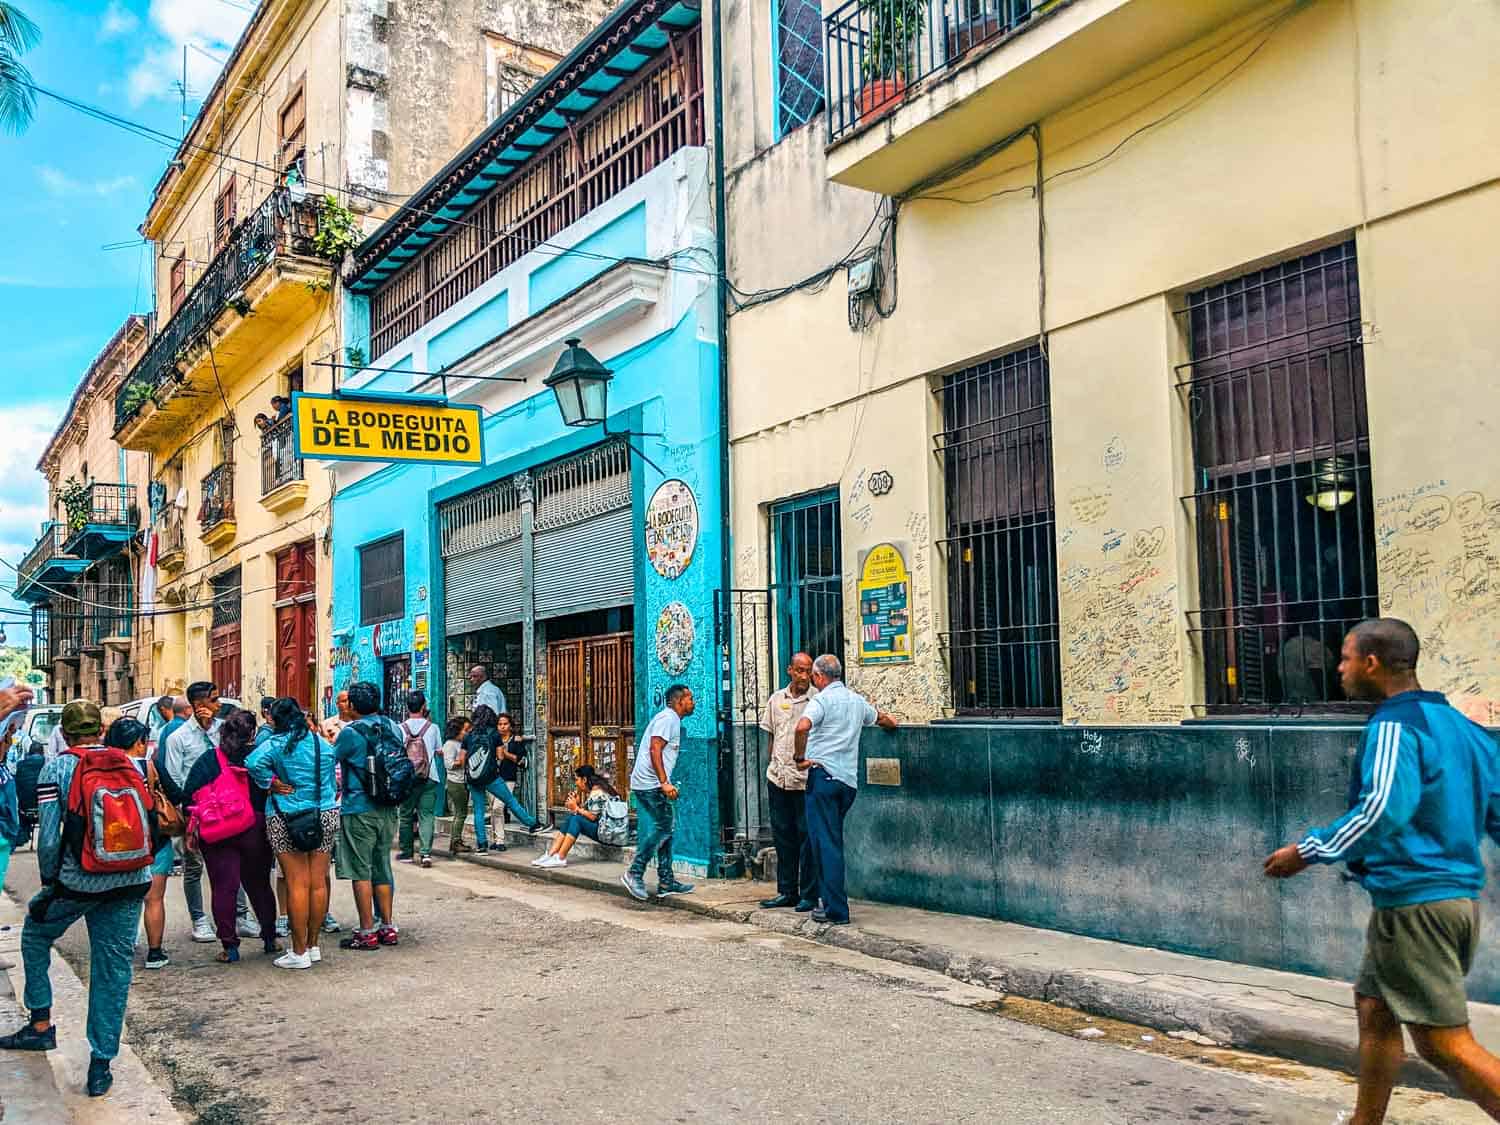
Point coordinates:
pixel 1287 130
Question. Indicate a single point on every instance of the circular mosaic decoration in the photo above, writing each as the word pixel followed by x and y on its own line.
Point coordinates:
pixel 674 638
pixel 671 528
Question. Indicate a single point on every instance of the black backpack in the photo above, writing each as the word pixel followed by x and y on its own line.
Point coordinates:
pixel 28 770
pixel 388 775
pixel 481 761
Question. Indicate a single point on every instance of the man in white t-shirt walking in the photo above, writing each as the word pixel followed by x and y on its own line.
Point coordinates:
pixel 651 782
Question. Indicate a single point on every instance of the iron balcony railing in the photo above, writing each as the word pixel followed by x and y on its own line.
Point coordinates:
pixel 217 505
pixel 877 50
pixel 111 505
pixel 278 225
pixel 48 547
pixel 279 463
pixel 170 539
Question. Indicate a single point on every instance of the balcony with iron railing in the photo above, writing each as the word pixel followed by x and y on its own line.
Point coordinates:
pixel 948 79
pixel 270 265
pixel 281 483
pixel 171 540
pixel 101 519
pixel 216 508
pixel 47 564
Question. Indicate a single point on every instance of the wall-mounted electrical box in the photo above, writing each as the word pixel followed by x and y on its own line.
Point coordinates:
pixel 864 276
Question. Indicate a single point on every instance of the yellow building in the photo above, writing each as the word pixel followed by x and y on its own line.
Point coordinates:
pixel 1164 353
pixel 82 577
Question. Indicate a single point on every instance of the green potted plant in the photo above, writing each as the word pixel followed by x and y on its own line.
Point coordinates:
pixel 895 26
pixel 76 501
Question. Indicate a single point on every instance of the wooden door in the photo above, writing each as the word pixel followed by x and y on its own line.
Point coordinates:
pixel 224 659
pixel 296 623
pixel 590 709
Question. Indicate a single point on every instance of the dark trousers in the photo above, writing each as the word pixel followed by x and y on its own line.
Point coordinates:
pixel 828 802
pixel 796 870
pixel 246 859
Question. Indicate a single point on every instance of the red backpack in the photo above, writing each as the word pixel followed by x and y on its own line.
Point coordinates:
pixel 109 812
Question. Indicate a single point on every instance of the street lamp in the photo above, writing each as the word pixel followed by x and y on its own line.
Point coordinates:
pixel 581 384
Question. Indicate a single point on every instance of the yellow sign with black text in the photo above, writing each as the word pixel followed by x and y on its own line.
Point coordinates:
pixel 346 428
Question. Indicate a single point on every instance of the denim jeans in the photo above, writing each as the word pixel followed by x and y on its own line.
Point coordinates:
pixel 658 838
pixel 501 792
pixel 112 924
pixel 4 860
pixel 192 880
pixel 579 825
pixel 828 802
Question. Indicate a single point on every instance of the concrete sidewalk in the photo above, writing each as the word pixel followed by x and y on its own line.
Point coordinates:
pixel 1304 1018
pixel 48 1088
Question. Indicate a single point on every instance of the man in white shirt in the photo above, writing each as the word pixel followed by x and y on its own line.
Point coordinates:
pixel 827 746
pixel 651 782
pixel 421 803
pixel 185 761
pixel 487 693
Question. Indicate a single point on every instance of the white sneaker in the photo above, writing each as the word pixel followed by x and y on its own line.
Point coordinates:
pixel 553 861
pixel 314 954
pixel 203 932
pixel 541 860
pixel 292 960
pixel 247 927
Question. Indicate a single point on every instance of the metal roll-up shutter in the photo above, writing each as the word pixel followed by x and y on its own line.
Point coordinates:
pixel 483 588
pixel 586 566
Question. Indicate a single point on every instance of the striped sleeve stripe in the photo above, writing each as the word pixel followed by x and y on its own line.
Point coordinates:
pixel 46 792
pixel 1387 747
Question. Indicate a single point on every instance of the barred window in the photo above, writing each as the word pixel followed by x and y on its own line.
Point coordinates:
pixel 382 580
pixel 799 63
pixel 807 560
pixel 1286 547
pixel 226 599
pixel 1001 545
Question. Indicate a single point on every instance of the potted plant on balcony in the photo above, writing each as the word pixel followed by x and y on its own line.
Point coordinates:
pixel 894 29
pixel 74 496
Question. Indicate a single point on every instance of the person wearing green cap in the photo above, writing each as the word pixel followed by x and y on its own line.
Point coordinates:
pixel 109 903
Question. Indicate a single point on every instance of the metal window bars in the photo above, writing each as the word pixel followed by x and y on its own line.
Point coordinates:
pixel 799 63
pixel 226 598
pixel 217 491
pixel 878 50
pixel 279 463
pixel 482 518
pixel 1001 547
pixel 382 580
pixel 1275 396
pixel 631 131
pixel 807 560
pixel 582 487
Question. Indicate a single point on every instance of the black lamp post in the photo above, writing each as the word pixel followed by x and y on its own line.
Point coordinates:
pixel 581 384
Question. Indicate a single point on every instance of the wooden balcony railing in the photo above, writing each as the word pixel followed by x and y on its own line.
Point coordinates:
pixel 614 144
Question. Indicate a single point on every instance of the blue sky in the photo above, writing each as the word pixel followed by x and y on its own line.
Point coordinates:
pixel 76 185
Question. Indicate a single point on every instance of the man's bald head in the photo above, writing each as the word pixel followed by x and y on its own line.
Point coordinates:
pixel 181 708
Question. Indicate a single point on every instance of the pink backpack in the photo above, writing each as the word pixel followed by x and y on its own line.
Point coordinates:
pixel 222 808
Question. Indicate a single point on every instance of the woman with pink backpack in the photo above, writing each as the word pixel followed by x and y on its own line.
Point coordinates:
pixel 228 822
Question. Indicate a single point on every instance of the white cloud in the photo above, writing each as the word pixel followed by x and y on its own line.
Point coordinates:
pixel 23 490
pixel 199 25
pixel 59 183
pixel 118 20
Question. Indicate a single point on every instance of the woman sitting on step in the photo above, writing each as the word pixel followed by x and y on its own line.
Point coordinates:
pixel 596 810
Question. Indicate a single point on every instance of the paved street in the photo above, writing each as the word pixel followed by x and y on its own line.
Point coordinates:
pixel 510 1000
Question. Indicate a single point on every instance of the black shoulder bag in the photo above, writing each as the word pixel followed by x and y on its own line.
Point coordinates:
pixel 304 829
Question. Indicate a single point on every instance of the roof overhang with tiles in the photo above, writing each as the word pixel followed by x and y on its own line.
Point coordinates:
pixel 612 54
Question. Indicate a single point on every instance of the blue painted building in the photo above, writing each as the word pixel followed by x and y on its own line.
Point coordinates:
pixel 578 565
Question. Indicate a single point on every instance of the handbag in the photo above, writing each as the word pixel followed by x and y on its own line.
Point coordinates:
pixel 304 828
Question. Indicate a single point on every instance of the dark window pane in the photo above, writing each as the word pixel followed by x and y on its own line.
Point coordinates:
pixel 382 580
pixel 807 546
pixel 1285 520
pixel 1001 545
pixel 799 63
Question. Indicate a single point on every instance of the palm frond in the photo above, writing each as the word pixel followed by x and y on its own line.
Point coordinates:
pixel 17 98
pixel 17 30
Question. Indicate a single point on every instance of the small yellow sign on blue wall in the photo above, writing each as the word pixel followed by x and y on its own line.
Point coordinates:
pixel 346 428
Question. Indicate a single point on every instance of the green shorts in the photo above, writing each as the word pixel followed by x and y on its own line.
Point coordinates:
pixel 1416 958
pixel 364 851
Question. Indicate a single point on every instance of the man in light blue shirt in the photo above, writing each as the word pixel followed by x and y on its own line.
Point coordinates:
pixel 827 746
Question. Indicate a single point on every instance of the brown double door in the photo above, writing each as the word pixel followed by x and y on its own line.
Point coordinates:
pixel 590 709
pixel 296 623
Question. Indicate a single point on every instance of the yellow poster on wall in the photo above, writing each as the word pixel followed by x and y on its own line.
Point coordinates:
pixel 386 428
pixel 884 606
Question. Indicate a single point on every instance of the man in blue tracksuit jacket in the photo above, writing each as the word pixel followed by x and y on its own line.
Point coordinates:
pixel 1424 792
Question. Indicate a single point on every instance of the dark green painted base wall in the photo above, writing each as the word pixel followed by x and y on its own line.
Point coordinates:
pixel 1152 836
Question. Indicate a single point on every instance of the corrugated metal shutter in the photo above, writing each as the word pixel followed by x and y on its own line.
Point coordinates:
pixel 483 588
pixel 585 566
